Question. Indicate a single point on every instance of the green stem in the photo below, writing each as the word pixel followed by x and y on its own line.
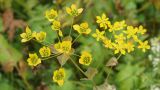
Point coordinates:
pixel 76 38
pixel 51 57
pixel 78 67
pixel 119 56
pixel 58 36
pixel 71 26
pixel 76 55
pixel 41 43
pixel 28 86
pixel 94 84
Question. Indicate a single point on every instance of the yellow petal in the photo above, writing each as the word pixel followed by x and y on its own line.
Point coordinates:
pixel 60 33
pixel 68 10
pixel 76 27
pixel 81 61
pixel 103 16
pixel 34 34
pixel 88 31
pixel 98 17
pixel 80 10
pixel 94 35
pixel 60 82
pixel 24 40
pixel 28 30
pixel 23 35
pixel 73 6
pixel 116 51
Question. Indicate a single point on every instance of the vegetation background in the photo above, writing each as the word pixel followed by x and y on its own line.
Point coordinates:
pixel 135 71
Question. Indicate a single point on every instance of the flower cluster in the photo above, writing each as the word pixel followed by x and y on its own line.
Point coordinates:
pixel 124 38
pixel 85 58
pixel 63 48
pixel 82 28
pixel 28 35
pixel 59 76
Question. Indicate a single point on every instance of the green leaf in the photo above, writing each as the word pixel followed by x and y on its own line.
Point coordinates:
pixel 128 76
pixel 7 52
pixel 9 56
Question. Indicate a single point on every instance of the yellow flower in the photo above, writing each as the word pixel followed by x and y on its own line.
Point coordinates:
pixel 141 30
pixel 119 38
pixel 119 48
pixel 98 35
pixel 103 21
pixel 45 51
pixel 58 76
pixel 144 45
pixel 60 33
pixel 82 28
pixel 131 32
pixel 63 47
pixel 33 60
pixel 107 43
pixel 51 14
pixel 85 58
pixel 56 25
pixel 118 26
pixel 40 36
pixel 129 46
pixel 28 35
pixel 73 11
pixel 66 46
pixel 58 46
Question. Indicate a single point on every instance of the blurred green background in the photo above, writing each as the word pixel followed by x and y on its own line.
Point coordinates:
pixel 135 71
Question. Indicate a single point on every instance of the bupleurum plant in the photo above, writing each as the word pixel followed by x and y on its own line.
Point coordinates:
pixel 123 39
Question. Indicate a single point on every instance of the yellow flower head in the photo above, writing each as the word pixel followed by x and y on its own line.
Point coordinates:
pixel 119 38
pixel 63 47
pixel 82 28
pixel 107 43
pixel 103 21
pixel 45 51
pixel 60 33
pixel 58 46
pixel 119 48
pixel 33 60
pixel 73 11
pixel 40 36
pixel 28 35
pixel 85 58
pixel 141 30
pixel 144 45
pixel 98 35
pixel 129 46
pixel 131 32
pixel 51 14
pixel 56 25
pixel 58 76
pixel 117 26
pixel 66 46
